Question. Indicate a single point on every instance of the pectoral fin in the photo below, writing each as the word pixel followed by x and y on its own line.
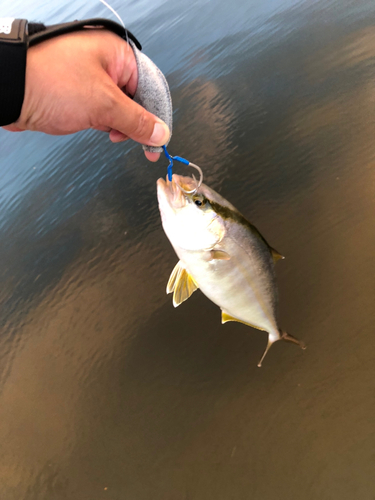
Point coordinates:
pixel 227 317
pixel 276 255
pixel 219 255
pixel 181 283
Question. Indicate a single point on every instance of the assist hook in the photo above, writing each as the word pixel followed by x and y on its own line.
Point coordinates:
pixel 185 162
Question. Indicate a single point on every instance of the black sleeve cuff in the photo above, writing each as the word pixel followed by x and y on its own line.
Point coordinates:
pixel 13 48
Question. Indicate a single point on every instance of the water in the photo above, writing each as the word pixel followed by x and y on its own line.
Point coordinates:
pixel 106 390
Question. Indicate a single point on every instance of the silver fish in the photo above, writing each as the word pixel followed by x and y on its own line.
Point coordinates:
pixel 221 253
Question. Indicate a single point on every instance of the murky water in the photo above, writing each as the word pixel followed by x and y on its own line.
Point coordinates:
pixel 106 390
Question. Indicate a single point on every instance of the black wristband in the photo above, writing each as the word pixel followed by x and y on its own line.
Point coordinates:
pixel 13 48
pixel 48 32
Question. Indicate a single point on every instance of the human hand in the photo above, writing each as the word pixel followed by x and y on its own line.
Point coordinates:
pixel 83 80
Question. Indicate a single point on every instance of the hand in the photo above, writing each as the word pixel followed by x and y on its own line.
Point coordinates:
pixel 82 80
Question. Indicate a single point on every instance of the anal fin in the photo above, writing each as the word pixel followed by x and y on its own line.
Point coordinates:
pixel 227 317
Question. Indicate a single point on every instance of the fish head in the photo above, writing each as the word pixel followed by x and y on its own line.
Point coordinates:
pixel 188 219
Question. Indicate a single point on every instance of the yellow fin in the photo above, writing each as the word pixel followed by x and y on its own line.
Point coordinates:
pixel 276 255
pixel 219 255
pixel 173 277
pixel 181 283
pixel 227 317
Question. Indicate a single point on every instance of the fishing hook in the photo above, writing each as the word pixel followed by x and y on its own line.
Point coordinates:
pixel 185 162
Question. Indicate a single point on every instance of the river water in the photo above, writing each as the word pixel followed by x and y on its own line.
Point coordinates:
pixel 106 390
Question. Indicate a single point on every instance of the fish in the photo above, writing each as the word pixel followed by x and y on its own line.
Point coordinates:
pixel 221 253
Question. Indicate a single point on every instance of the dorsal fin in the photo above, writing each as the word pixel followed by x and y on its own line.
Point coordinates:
pixel 181 283
pixel 276 255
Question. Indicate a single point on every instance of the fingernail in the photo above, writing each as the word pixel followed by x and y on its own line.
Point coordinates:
pixel 160 134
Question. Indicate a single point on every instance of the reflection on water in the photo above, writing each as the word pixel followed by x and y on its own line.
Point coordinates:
pixel 106 390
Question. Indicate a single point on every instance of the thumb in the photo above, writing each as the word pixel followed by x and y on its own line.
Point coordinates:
pixel 134 121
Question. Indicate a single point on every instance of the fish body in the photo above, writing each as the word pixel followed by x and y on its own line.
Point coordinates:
pixel 221 253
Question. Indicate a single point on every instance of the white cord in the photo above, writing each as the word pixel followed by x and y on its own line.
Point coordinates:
pixel 113 10
pixel 119 18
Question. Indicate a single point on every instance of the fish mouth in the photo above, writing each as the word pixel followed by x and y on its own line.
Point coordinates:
pixel 169 191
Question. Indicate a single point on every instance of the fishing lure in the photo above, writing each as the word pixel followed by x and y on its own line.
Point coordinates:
pixel 152 90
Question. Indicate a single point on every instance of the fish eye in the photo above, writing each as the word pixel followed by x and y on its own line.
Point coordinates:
pixel 199 200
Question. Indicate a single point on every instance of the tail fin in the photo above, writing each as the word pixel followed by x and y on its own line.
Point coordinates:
pixel 283 336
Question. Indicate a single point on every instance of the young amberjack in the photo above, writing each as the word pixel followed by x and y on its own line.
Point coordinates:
pixel 221 253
